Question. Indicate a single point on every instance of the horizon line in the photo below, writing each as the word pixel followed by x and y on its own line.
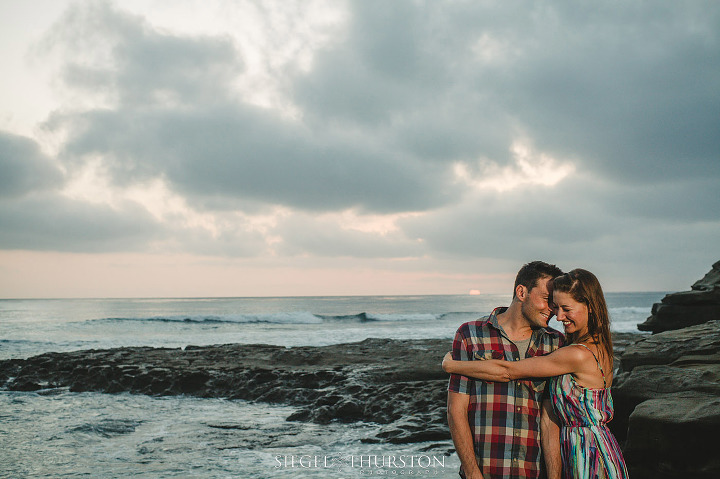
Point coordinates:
pixel 41 298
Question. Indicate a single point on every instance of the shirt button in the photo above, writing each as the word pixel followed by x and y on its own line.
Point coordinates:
pixel 517 433
pixel 518 409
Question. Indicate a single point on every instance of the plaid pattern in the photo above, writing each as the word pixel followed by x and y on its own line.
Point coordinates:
pixel 504 417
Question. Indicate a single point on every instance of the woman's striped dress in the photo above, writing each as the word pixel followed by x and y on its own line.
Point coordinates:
pixel 588 448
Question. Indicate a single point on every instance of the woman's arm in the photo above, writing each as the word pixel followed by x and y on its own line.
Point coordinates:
pixel 487 370
pixel 561 361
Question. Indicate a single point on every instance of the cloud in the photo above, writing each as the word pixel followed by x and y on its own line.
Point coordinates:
pixel 471 129
pixel 109 53
pixel 244 152
pixel 626 233
pixel 300 235
pixel 55 223
pixel 24 168
pixel 35 215
pixel 629 88
pixel 216 145
pixel 629 98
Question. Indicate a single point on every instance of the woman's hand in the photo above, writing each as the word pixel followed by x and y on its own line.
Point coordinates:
pixel 447 363
pixel 487 370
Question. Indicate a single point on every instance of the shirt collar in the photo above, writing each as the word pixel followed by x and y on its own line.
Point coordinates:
pixel 493 317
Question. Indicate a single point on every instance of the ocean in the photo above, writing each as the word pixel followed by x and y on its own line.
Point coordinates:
pixel 56 433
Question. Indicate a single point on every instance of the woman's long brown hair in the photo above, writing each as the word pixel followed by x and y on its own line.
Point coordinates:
pixel 585 288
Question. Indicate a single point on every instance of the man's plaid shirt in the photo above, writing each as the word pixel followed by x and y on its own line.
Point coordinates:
pixel 504 417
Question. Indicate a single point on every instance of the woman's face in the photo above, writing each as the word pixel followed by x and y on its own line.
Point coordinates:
pixel 572 314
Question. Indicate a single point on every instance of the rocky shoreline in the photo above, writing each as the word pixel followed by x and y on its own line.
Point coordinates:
pixel 398 383
pixel 392 382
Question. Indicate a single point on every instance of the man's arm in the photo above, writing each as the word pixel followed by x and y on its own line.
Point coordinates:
pixel 457 415
pixel 550 440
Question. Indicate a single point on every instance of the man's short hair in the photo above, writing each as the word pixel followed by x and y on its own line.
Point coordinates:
pixel 531 272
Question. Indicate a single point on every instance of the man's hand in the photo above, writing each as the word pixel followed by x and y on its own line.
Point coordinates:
pixel 446 361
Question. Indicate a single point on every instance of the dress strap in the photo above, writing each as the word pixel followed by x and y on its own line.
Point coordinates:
pixel 597 361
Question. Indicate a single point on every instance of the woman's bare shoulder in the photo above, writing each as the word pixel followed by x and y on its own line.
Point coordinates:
pixel 575 353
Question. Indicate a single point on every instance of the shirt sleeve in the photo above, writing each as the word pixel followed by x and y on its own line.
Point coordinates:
pixel 460 351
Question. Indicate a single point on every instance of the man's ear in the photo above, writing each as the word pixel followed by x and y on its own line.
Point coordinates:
pixel 521 292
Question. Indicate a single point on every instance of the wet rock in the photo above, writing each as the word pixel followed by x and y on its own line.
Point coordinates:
pixel 192 382
pixel 24 385
pixel 410 429
pixel 349 411
pixel 688 308
pixel 302 414
pixel 322 415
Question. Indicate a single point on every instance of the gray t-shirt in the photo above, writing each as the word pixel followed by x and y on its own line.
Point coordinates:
pixel 523 346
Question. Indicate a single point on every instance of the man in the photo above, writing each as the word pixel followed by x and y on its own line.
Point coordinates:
pixel 496 426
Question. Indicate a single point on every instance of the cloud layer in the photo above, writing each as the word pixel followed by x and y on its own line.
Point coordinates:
pixel 477 130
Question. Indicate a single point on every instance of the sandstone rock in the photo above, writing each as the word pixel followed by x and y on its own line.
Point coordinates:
pixel 646 383
pixel 687 308
pixel 693 297
pixel 669 346
pixel 710 280
pixel 667 403
pixel 667 317
pixel 674 437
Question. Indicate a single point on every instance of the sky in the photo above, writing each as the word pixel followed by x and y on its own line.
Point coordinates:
pixel 280 148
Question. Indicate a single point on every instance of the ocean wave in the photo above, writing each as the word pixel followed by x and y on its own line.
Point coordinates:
pixel 298 318
pixel 628 314
pixel 399 317
pixel 463 316
pixel 21 341
pixel 277 318
pixel 630 309
pixel 24 342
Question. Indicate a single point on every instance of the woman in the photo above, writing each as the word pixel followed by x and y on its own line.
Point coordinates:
pixel 580 388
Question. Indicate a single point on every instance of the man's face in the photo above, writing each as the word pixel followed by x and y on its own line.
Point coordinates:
pixel 535 304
